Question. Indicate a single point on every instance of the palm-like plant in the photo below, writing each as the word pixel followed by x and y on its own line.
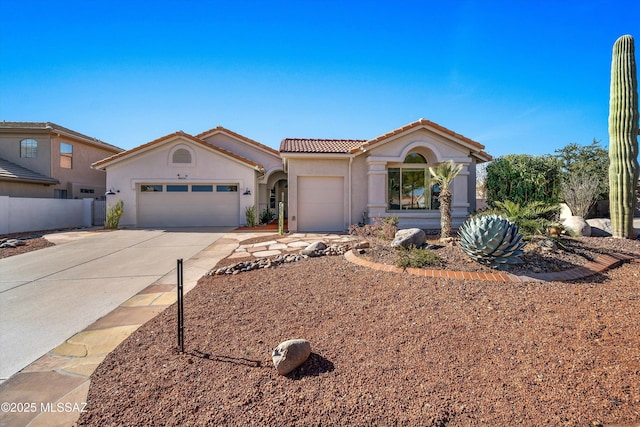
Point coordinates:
pixel 532 218
pixel 443 175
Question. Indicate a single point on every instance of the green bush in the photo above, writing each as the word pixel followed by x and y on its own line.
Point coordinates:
pixel 114 213
pixel 416 258
pixel 266 216
pixel 523 179
pixel 250 215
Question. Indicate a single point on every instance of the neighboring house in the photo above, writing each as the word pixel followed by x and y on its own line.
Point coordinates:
pixel 212 178
pixel 45 160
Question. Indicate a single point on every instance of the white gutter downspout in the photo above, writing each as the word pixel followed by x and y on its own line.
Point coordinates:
pixel 350 161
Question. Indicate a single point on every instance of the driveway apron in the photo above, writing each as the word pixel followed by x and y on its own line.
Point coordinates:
pixel 48 295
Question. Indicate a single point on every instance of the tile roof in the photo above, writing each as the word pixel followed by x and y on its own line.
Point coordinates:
pixel 419 123
pixel 217 129
pixel 354 146
pixel 192 138
pixel 52 127
pixel 336 146
pixel 11 172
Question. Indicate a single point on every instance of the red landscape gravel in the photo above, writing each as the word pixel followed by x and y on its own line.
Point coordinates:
pixel 387 349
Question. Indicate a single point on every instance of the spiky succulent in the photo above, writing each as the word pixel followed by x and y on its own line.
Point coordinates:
pixel 491 240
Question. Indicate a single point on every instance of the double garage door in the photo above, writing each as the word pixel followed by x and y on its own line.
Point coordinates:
pixel 188 205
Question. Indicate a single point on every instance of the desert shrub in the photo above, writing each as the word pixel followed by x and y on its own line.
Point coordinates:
pixel 266 216
pixel 114 213
pixel 580 192
pixel 416 257
pixel 250 215
pixel 589 160
pixel 381 228
pixel 523 179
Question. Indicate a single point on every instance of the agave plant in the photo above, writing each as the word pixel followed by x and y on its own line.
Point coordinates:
pixel 492 240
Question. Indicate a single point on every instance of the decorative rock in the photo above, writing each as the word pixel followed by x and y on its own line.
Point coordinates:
pixel 262 262
pixel 12 243
pixel 548 245
pixel 314 249
pixel 290 354
pixel 565 212
pixel 600 227
pixel 578 225
pixel 362 245
pixel 408 237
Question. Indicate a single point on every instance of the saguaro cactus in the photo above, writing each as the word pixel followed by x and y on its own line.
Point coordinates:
pixel 623 137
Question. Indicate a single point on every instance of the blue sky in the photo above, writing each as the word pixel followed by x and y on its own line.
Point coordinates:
pixel 516 76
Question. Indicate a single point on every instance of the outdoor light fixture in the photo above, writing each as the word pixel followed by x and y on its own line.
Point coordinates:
pixel 111 192
pixel 247 192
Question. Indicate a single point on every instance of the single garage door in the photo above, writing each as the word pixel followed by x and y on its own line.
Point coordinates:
pixel 188 205
pixel 321 203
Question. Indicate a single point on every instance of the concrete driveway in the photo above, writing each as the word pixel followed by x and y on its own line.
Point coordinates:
pixel 48 295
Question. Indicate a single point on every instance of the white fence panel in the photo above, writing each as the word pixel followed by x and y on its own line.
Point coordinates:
pixel 21 214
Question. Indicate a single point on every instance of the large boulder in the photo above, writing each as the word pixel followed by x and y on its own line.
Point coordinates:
pixel 600 227
pixel 578 225
pixel 290 354
pixel 409 237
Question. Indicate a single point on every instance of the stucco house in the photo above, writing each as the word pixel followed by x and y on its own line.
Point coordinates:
pixel 46 160
pixel 327 184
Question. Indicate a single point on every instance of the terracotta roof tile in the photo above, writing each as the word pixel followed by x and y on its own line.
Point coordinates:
pixel 423 122
pixel 336 146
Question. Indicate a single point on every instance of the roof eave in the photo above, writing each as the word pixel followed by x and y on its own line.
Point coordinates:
pixel 53 181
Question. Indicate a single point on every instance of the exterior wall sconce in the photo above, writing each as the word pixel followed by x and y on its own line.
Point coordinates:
pixel 247 192
pixel 111 192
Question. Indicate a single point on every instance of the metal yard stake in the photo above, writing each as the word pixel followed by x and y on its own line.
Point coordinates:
pixel 180 308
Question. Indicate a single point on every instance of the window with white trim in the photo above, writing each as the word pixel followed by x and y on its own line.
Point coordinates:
pixel 409 185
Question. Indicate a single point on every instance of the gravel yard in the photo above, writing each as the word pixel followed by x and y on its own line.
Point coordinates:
pixel 387 349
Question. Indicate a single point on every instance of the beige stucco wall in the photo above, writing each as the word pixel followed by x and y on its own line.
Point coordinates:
pixel 327 167
pixel 365 178
pixel 81 175
pixel 270 161
pixel 436 149
pixel 23 189
pixel 154 166
pixel 10 150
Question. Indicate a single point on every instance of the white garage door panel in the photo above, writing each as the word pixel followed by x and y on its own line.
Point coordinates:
pixel 321 203
pixel 188 209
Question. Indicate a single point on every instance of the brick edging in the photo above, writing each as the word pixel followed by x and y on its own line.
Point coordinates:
pixel 599 265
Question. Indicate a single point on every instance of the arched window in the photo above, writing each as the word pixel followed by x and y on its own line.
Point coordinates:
pixel 181 155
pixel 29 148
pixel 409 186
